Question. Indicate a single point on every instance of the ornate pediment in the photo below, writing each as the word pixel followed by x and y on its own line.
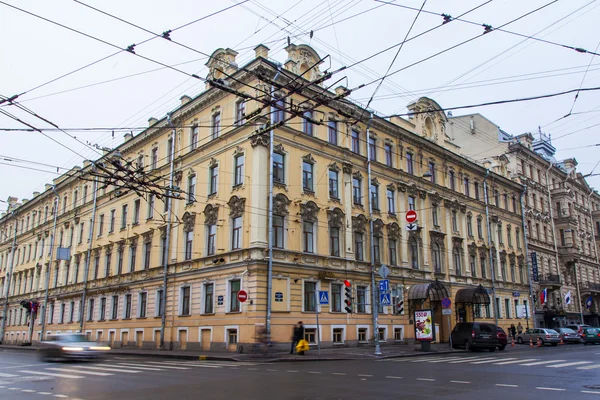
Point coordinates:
pixel 394 231
pixel 309 211
pixel 309 158
pixel 378 228
pixel 189 220
pixel 335 218
pixel 334 167
pixel 236 206
pixel 211 214
pixel 280 204
pixel 359 223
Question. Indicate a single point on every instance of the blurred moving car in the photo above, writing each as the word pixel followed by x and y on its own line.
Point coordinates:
pixel 502 338
pixel 569 335
pixel 475 335
pixel 71 346
pixel 590 335
pixel 545 335
pixel 578 327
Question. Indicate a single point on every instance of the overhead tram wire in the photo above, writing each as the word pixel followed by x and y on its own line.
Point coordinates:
pixel 581 84
pixel 110 55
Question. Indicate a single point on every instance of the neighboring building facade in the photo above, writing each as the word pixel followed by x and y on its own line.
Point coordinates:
pixel 321 231
pixel 561 217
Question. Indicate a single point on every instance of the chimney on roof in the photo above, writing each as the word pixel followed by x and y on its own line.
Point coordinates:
pixel 152 121
pixel 261 51
pixel 127 137
pixel 185 99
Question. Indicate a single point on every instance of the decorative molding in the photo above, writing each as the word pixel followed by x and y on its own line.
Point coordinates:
pixel 278 148
pixel 236 205
pixel 211 214
pixel 259 139
pixel 347 168
pixel 189 220
pixel 394 231
pixel 280 204
pixel 335 218
pixel 309 158
pixel 309 211
pixel 334 167
pixel 378 228
pixel 359 223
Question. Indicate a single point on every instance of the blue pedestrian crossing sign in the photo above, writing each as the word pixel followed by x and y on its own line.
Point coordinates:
pixel 323 297
pixel 385 299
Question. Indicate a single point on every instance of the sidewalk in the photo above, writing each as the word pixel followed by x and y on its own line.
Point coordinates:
pixel 335 354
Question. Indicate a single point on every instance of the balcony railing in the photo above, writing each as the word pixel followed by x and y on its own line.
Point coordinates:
pixel 550 280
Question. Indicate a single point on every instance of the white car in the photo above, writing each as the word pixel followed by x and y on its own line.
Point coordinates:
pixel 70 346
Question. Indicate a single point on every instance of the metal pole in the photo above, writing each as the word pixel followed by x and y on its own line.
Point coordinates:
pixel 317 314
pixel 578 294
pixel 48 270
pixel 8 279
pixel 489 228
pixel 89 255
pixel 31 324
pixel 163 310
pixel 529 275
pixel 552 224
pixel 450 336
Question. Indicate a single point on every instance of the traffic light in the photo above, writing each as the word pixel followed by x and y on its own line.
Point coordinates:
pixel 348 292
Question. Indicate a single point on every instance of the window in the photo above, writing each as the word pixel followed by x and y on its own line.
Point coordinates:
pixel 239 170
pixel 479 228
pixel 278 168
pixel 362 335
pixel 483 267
pixel 308 236
pixel 307 176
pixel 209 289
pixel 454 221
pixel 310 335
pixel 336 297
pixel 562 237
pixel 278 111
pixel 307 125
pixel 393 251
pixel 411 202
pixel 132 256
pixel 234 288
pixel 503 270
pixel 119 260
pixel 514 203
pixel 154 158
pixel 64 211
pixel 388 155
pixel 151 199
pixel 90 316
pixel 334 241
pixel 107 258
pixel 127 307
pixel 434 215
pixel 338 335
pixel 191 189
pixel 163 250
pixel 377 249
pixel 211 240
pixel 124 216
pixel 509 235
pixel 216 125
pixel 356 191
pixel 147 250
pixel 51 314
pixel 355 141
pixel 79 241
pixel 277 232
pixel 309 296
pixel 457 261
pixel 466 184
pixel 361 299
pixel 451 180
pixel 500 238
pixel 391 202
pixel 142 302
pixel 518 238
pixel 333 184
pixel 359 246
pixel 113 217
pixel 373 149
pixel 236 234
pixel 497 198
pixel 136 212
pixel 96 266
pixel 213 176
pixel 332 130
pixel 473 266
pixel 240 112
pixel 374 189
pixel 432 171
pixel 436 257
pixel 506 201
pixel 381 334
pixel 476 190
pixel 398 334
pixel 194 137
pixel 169 150
pixel 115 307
pixel 159 302
pixel 414 253
pixel 100 225
pixel 184 292
pixel 409 163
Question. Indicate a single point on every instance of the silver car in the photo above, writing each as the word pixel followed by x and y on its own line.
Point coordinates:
pixel 543 334
pixel 70 346
pixel 569 335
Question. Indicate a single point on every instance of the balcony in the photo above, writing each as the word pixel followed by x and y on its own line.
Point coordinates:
pixel 591 288
pixel 569 253
pixel 550 281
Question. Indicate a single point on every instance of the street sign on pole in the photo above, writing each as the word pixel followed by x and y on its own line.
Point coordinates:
pixel 411 216
pixel 446 302
pixel 384 271
pixel 384 286
pixel 242 296
pixel 447 311
pixel 385 299
pixel 412 227
pixel 323 297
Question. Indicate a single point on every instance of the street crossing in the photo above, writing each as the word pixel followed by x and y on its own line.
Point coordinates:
pixel 498 360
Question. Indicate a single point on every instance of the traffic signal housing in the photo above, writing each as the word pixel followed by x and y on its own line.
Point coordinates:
pixel 348 295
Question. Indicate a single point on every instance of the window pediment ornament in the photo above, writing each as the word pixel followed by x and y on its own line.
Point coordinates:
pixel 163 232
pixel 378 228
pixel 335 218
pixel 388 141
pixel 357 175
pixel 238 151
pixel 309 211
pixel 213 162
pixel 147 236
pixel 334 167
pixel 108 248
pixel 236 205
pixel 479 217
pixel 309 158
pixel 391 186
pixel 394 231
pixel 259 139
pixel 211 214
pixel 133 241
pixel 96 253
pixel 438 238
pixel 435 197
pixel 280 204
pixel 415 236
pixel 375 181
pixel 521 260
pixel 359 223
pixel 120 247
pixel 482 251
pixel 347 168
pixel 512 257
pixel 278 148
pixel 189 220
pixel 472 249
pixel 191 173
pixel 503 255
pixel 78 256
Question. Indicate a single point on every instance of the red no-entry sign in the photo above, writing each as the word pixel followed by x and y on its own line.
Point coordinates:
pixel 242 296
pixel 411 216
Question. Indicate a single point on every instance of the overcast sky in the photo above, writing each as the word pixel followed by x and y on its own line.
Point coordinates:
pixel 495 66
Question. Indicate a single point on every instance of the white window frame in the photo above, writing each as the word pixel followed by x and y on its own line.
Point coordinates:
pixel 319 335
pixel 157 301
pixel 139 302
pixel 317 288
pixel 344 329
pixel 180 301
pixel 368 328
pixel 226 330
pixel 203 298
pixel 394 327
pixel 228 294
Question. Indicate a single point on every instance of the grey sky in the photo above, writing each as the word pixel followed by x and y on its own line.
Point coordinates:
pixel 33 51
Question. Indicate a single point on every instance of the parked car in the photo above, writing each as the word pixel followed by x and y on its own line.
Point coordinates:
pixel 71 346
pixel 475 335
pixel 502 338
pixel 569 335
pixel 545 335
pixel 590 335
pixel 578 328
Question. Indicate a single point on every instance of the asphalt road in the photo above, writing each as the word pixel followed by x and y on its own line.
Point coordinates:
pixel 570 371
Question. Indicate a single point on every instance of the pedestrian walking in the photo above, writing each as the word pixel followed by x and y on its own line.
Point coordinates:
pixel 520 328
pixel 513 331
pixel 297 335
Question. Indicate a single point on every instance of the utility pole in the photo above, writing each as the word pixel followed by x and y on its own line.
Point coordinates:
pixel 489 229
pixel 49 268
pixel 8 279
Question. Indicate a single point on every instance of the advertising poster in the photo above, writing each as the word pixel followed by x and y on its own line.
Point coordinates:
pixel 424 325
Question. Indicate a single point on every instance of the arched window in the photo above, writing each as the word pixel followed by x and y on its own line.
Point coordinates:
pixel 436 257
pixel 414 253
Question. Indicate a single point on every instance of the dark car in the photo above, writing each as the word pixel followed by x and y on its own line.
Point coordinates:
pixel 590 335
pixel 569 335
pixel 502 339
pixel 71 346
pixel 475 335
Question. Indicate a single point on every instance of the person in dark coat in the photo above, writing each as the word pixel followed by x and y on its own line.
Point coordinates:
pixel 297 335
pixel 513 331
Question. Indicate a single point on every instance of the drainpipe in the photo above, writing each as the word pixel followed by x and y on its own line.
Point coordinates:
pixel 592 219
pixel 489 228
pixel 8 279
pixel 163 311
pixel 576 265
pixel 270 224
pixel 524 227
pixel 552 223
pixel 89 255
pixel 48 270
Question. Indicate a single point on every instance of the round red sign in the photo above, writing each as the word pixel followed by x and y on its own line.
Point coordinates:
pixel 242 296
pixel 411 216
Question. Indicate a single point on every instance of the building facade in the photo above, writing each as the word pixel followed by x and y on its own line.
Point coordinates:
pixel 284 189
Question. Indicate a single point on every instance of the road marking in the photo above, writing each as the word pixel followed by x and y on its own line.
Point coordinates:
pixel 568 364
pixel 7 375
pixel 271 370
pixel 252 369
pixel 465 382
pixel 44 393
pixel 28 391
pixel 393 377
pixel 471 359
pixel 13 388
pixel 553 389
pixel 590 391
pixel 61 396
pixel 506 385
pixel 363 379
pixel 291 370
pixel 590 367
pixel 516 361
pixel 314 372
pixel 146 365
pixel 444 360
pixel 429 359
pixel 365 375
pixel 426 379
pixel 338 373
pixel 542 363
pixel 126 371
pixel 491 361
pixel 189 365
pixel 51 374
pixel 79 372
